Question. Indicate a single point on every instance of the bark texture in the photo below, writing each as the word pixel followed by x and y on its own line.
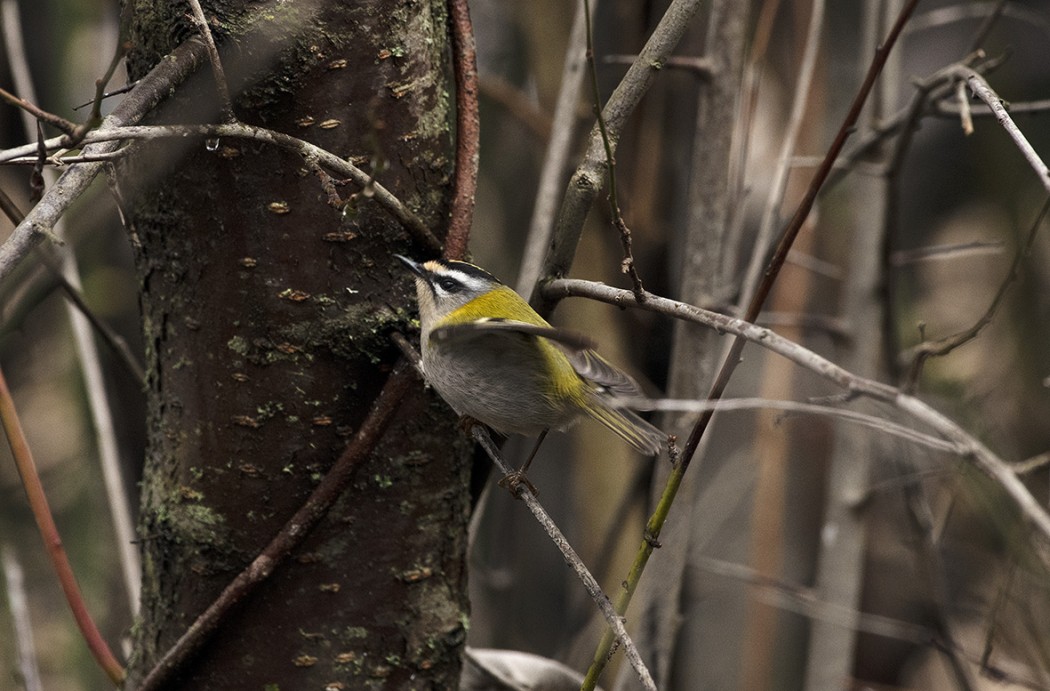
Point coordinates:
pixel 266 314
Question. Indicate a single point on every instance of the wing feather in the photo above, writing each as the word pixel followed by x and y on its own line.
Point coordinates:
pixel 569 340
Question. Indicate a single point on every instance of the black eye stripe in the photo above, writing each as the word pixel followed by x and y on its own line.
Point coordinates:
pixel 448 284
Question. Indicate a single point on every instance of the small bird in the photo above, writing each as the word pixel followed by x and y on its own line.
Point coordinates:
pixel 494 359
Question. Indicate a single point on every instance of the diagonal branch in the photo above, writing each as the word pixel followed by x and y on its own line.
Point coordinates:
pixel 481 436
pixel 151 90
pixel 966 445
pixel 980 87
pixel 589 177
pixel 34 490
pixel 401 381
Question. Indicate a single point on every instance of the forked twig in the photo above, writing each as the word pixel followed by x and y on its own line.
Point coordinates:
pixel 919 354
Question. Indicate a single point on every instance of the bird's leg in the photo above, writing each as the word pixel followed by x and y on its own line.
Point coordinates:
pixel 513 480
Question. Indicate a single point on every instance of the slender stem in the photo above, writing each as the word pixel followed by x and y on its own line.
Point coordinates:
pixel 468 130
pixel 615 630
pixel 588 179
pixel 398 384
pixel 552 182
pixel 197 13
pixel 49 532
pixel 627 265
pixel 980 87
pixel 967 446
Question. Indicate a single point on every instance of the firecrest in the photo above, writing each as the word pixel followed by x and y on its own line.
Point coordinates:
pixel 493 358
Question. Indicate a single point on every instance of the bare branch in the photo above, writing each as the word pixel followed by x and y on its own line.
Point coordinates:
pixel 197 15
pixel 468 130
pixel 397 386
pixel 589 176
pixel 967 446
pixel 981 88
pixel 544 208
pixel 45 521
pixel 614 620
pixel 919 354
pixel 151 90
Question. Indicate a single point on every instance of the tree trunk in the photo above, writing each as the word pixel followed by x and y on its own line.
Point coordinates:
pixel 266 314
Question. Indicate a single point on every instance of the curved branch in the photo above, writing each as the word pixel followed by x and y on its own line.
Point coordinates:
pixel 100 650
pixel 967 446
pixel 468 130
pixel 151 90
pixel 41 219
pixel 398 384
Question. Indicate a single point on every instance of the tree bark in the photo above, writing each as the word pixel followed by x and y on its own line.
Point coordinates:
pixel 266 315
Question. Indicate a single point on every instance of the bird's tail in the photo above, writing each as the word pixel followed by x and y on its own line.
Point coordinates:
pixel 630 427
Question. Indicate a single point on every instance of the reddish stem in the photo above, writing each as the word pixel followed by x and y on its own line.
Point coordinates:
pixel 49 531
pixel 468 130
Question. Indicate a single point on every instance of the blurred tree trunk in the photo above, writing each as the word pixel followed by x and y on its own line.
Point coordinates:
pixel 266 315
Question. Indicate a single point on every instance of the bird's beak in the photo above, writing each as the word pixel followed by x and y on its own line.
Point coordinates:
pixel 414 267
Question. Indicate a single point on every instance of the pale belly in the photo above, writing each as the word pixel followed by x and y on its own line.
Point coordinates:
pixel 496 384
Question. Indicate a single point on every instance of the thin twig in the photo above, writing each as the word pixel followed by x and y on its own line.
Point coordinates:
pixel 65 126
pixel 732 359
pixel 1032 464
pixel 919 354
pixel 49 532
pixel 151 90
pixel 18 605
pixel 226 107
pixel 398 384
pixel 967 446
pixel 481 435
pixel 468 130
pixel 983 91
pixel 95 115
pixel 555 159
pixel 789 141
pixel 588 179
pixel 627 264
pixel 878 424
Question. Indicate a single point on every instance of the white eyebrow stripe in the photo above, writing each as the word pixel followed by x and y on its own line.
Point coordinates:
pixel 472 283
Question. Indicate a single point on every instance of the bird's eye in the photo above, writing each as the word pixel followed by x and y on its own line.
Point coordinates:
pixel 449 285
